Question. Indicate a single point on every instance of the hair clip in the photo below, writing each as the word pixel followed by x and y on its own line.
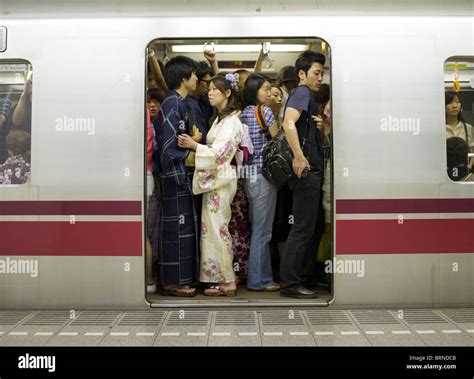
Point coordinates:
pixel 232 80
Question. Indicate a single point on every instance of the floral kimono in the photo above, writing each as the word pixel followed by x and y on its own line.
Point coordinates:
pixel 217 179
pixel 15 170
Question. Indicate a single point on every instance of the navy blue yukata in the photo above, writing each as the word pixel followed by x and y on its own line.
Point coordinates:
pixel 178 257
pixel 197 117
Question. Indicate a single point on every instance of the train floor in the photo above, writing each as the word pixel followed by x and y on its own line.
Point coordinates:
pixel 240 327
pixel 244 296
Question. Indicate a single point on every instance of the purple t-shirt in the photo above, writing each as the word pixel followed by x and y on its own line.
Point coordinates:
pixel 302 99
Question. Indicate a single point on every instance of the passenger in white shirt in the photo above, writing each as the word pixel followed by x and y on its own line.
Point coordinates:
pixel 455 124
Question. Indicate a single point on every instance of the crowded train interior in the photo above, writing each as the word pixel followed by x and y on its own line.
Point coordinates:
pixel 275 59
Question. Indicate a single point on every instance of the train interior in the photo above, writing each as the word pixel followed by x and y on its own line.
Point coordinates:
pixel 13 75
pixel 459 76
pixel 233 55
pixel 459 72
pixel 16 77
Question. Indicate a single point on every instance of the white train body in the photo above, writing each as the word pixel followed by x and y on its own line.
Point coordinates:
pixel 391 193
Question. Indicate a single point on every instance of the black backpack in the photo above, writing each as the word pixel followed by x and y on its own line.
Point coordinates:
pixel 278 158
pixel 278 161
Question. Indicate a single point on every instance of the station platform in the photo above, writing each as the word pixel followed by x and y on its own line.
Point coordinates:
pixel 241 327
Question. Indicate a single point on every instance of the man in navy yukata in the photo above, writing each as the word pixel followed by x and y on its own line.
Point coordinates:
pixel 178 259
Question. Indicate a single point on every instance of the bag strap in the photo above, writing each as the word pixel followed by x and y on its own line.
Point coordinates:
pixel 305 138
pixel 260 116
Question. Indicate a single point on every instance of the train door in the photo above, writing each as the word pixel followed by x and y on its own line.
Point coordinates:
pixel 274 59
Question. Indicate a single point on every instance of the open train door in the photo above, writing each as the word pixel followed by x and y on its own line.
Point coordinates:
pixel 241 56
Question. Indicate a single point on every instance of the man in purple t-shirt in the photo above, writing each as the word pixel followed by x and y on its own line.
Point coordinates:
pixel 302 136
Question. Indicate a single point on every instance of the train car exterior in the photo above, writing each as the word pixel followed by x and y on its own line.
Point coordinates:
pixel 404 233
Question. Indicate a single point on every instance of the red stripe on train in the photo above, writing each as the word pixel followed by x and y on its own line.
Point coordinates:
pixel 377 206
pixel 76 208
pixel 118 238
pixel 133 208
pixel 419 236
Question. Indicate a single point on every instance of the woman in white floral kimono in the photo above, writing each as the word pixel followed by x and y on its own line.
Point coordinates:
pixel 217 179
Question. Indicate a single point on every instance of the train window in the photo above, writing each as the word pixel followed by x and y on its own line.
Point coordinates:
pixel 15 122
pixel 197 99
pixel 459 117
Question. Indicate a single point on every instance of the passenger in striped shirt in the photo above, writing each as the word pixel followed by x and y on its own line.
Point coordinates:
pixel 6 106
pixel 260 193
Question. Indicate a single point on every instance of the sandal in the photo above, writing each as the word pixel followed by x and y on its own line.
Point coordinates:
pixel 219 291
pixel 272 287
pixel 179 291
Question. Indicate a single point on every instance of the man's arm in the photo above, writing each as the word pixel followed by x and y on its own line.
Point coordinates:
pixel 156 70
pixel 289 126
pixel 258 64
pixel 211 57
pixel 20 109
